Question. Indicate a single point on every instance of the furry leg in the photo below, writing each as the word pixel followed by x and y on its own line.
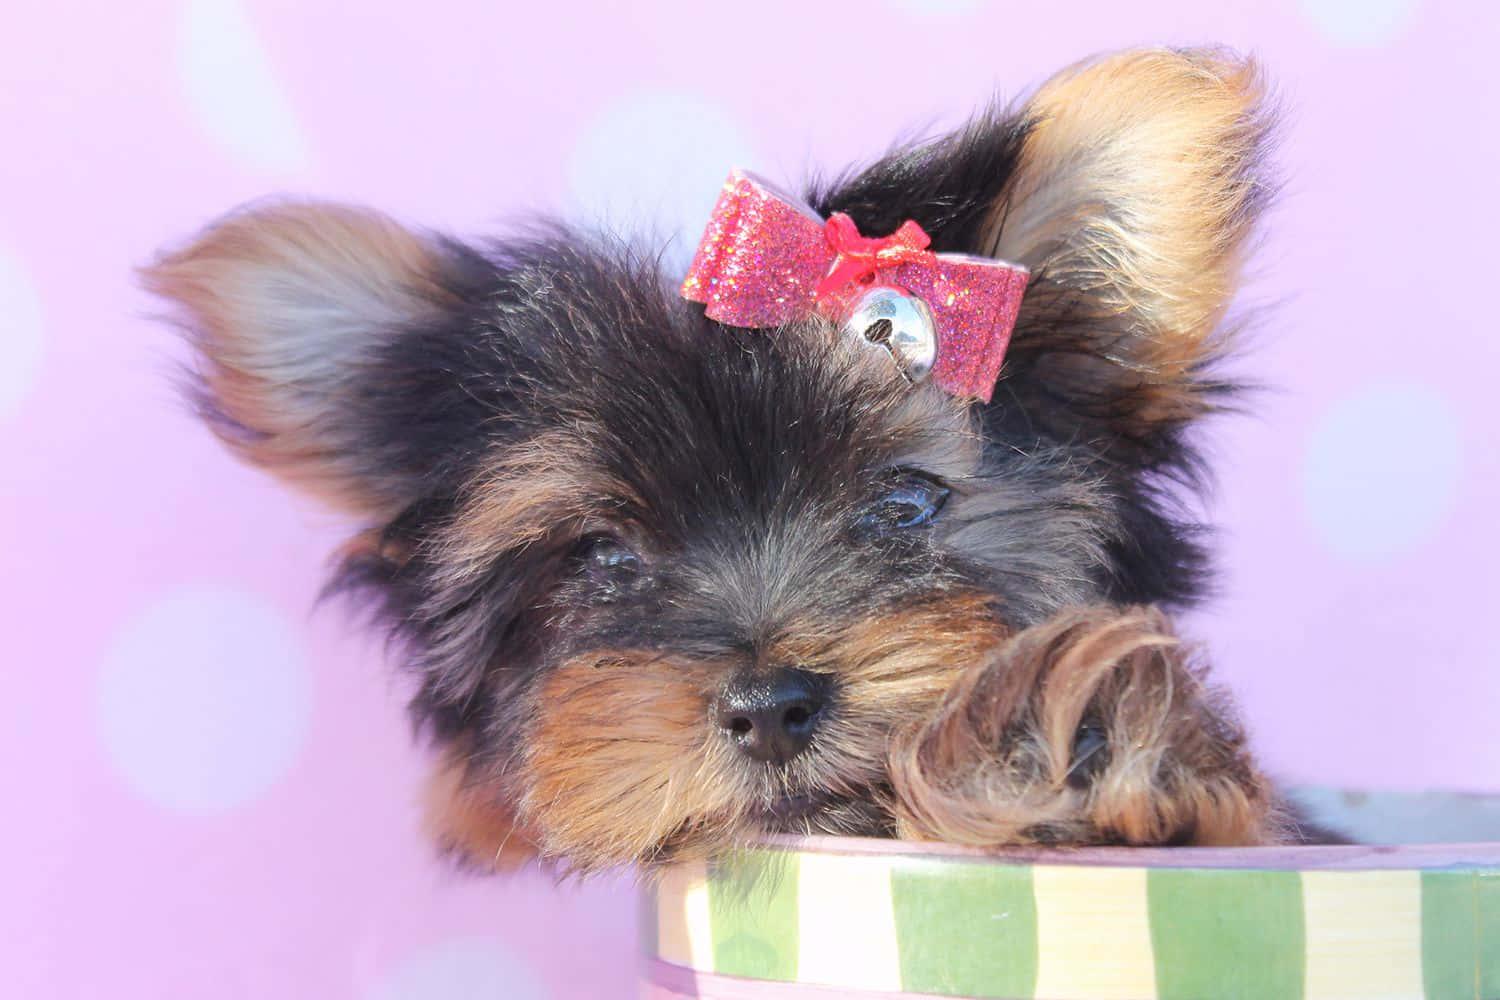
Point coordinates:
pixel 1091 728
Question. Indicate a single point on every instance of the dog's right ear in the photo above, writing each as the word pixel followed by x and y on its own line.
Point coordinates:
pixel 331 348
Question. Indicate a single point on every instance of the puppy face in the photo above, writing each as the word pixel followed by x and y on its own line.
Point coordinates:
pixel 715 537
pixel 666 584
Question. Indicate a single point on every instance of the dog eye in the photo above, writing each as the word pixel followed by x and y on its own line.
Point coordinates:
pixel 607 556
pixel 914 499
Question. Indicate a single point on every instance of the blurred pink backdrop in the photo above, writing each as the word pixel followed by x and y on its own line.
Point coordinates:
pixel 210 786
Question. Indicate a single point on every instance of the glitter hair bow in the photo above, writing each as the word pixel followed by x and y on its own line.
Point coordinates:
pixel 766 260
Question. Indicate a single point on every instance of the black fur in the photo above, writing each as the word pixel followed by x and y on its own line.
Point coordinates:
pixel 565 325
pixel 950 186
pixel 736 470
pixel 728 434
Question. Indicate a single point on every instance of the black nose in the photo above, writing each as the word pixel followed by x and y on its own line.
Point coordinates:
pixel 771 715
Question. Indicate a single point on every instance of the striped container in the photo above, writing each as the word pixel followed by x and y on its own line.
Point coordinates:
pixel 841 917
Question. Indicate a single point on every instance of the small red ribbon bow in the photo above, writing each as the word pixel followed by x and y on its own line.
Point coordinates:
pixel 766 260
pixel 859 257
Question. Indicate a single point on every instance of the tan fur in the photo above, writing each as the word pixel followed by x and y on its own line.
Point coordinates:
pixel 1135 185
pixel 990 767
pixel 467 815
pixel 625 760
pixel 282 301
pixel 891 666
pixel 528 490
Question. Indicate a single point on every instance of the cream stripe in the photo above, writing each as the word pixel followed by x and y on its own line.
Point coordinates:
pixel 1093 934
pixel 683 929
pixel 847 924
pixel 1364 935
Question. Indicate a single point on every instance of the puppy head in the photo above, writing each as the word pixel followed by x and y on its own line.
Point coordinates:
pixel 667 584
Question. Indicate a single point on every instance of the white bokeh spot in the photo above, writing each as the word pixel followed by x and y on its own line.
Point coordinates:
pixel 233 89
pixel 1360 22
pixel 1382 469
pixel 654 164
pixel 20 333
pixel 462 969
pixel 204 700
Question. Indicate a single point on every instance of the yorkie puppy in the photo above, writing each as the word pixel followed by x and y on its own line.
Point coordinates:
pixel 667 583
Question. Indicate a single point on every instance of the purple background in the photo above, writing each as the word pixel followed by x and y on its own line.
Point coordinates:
pixel 209 785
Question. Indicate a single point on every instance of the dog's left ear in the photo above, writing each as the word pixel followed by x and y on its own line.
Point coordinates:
pixel 1128 185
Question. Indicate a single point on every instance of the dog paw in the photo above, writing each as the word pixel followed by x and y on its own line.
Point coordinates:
pixel 1091 728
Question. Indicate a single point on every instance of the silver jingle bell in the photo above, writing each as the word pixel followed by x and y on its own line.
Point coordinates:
pixel 900 324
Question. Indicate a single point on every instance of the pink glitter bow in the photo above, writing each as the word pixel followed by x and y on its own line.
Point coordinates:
pixel 766 260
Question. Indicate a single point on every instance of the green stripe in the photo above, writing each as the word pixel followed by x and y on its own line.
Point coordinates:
pixel 1227 934
pixel 1461 935
pixel 1487 926
pixel 966 929
pixel 752 904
